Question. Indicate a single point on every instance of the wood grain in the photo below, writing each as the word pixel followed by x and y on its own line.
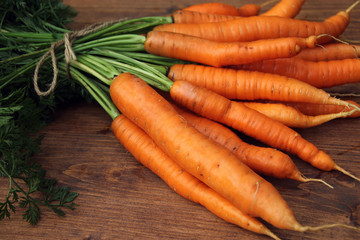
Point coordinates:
pixel 121 199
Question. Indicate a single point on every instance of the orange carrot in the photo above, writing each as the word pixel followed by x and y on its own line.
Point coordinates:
pixel 141 146
pixel 321 74
pixel 251 85
pixel 266 161
pixel 248 10
pixel 330 51
pixel 183 16
pixel 149 154
pixel 214 7
pixel 196 17
pixel 245 10
pixel 216 166
pixel 180 46
pixel 254 124
pixel 291 117
pixel 285 8
pixel 263 27
pixel 319 109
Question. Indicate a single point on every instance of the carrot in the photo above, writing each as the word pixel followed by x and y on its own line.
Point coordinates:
pixel 291 117
pixel 196 17
pixel 215 8
pixel 245 10
pixel 263 27
pixel 266 161
pixel 319 109
pixel 321 74
pixel 216 166
pixel 254 124
pixel 330 51
pixel 251 85
pixel 184 47
pixel 141 146
pixel 285 8
pixel 137 142
pixel 183 16
pixel 248 10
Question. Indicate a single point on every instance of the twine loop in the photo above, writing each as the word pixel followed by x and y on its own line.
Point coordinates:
pixel 70 55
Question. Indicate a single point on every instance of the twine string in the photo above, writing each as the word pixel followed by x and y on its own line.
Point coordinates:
pixel 69 55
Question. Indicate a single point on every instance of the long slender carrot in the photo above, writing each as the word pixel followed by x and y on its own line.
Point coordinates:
pixel 236 115
pixel 266 161
pixel 251 85
pixel 214 165
pixel 137 142
pixel 218 8
pixel 321 74
pixel 285 8
pixel 141 146
pixel 196 17
pixel 214 7
pixel 180 46
pixel 330 51
pixel 319 109
pixel 183 16
pixel 263 27
pixel 291 117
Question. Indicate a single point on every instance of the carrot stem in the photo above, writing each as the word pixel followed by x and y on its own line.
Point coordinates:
pixel 99 95
pixel 151 75
pixel 146 57
pixel 90 70
pixel 125 39
pixel 105 68
pixel 126 26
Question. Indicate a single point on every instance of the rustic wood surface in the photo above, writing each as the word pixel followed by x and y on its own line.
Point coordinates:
pixel 121 199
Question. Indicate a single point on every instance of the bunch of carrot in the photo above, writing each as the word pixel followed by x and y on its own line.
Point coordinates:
pixel 177 132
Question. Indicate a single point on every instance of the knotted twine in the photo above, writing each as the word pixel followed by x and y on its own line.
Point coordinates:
pixel 69 54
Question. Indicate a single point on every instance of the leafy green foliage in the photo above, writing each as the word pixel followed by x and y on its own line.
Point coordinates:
pixel 22 112
pixel 27 30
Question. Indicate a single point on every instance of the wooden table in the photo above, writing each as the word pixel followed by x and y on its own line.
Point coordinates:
pixel 121 199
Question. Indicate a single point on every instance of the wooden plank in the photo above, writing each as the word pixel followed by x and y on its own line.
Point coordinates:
pixel 121 199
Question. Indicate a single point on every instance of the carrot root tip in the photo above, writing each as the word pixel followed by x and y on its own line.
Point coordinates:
pixel 352 7
pixel 271 234
pixel 340 169
pixel 354 106
pixel 317 180
pixel 308 228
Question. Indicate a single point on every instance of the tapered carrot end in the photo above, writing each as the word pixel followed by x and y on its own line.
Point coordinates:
pixel 271 234
pixel 307 228
pixel 298 176
pixel 357 108
pixel 340 169
pixel 317 180
pixel 349 9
